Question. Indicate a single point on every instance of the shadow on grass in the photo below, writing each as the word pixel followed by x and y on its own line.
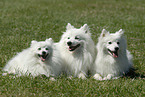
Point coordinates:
pixel 132 74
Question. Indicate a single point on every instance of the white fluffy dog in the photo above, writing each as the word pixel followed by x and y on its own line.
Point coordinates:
pixel 77 50
pixel 113 58
pixel 40 58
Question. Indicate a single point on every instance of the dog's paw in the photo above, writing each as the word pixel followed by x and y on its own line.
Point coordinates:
pixel 70 77
pixel 97 77
pixel 116 77
pixel 109 76
pixel 105 78
pixel 82 76
pixel 4 74
pixel 47 75
pixel 52 79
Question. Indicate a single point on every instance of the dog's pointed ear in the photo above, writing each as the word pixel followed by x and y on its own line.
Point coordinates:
pixel 33 42
pixel 50 40
pixel 86 28
pixel 69 26
pixel 121 32
pixel 104 33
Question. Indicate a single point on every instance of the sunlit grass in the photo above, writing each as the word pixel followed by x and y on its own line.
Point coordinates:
pixel 24 20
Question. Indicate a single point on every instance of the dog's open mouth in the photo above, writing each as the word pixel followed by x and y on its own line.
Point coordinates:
pixel 72 48
pixel 113 53
pixel 43 57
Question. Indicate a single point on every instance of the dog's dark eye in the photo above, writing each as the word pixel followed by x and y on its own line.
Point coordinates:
pixel 76 37
pixel 46 49
pixel 68 38
pixel 39 48
pixel 109 42
pixel 118 42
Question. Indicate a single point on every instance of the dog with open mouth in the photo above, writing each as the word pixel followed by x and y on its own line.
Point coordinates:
pixel 113 59
pixel 41 58
pixel 77 50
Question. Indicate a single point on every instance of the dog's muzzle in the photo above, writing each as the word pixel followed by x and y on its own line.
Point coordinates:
pixel 72 48
pixel 43 56
pixel 114 53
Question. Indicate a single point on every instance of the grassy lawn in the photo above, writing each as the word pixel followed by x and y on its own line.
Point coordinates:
pixel 24 20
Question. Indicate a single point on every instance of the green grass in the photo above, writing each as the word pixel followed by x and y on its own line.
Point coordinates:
pixel 24 20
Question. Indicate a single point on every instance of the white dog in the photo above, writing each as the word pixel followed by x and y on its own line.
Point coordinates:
pixel 40 58
pixel 113 58
pixel 77 50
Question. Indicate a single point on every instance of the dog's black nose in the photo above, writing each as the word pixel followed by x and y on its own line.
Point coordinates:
pixel 69 43
pixel 43 52
pixel 116 48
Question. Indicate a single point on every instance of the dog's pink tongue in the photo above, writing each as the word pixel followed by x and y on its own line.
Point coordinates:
pixel 70 48
pixel 114 55
pixel 42 59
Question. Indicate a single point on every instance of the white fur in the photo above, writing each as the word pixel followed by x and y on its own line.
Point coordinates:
pixel 79 61
pixel 28 62
pixel 106 65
